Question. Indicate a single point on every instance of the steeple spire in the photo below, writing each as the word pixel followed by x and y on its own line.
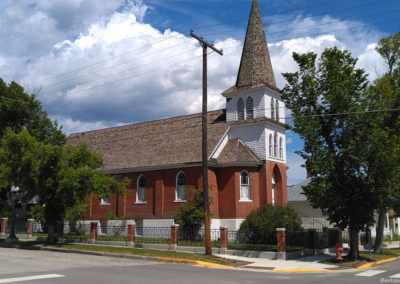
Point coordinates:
pixel 255 66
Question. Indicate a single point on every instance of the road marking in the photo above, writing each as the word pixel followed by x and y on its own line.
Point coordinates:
pixel 369 273
pixel 28 278
pixel 395 276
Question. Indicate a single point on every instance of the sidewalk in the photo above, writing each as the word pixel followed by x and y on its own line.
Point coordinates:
pixel 305 264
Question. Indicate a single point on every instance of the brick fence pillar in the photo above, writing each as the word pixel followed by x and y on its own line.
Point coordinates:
pixel 3 227
pixel 223 239
pixel 281 243
pixel 30 227
pixel 93 231
pixel 131 233
pixel 174 237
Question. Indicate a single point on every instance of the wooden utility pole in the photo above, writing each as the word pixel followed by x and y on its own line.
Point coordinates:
pixel 205 44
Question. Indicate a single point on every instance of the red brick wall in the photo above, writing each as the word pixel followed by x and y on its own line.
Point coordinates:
pixel 224 190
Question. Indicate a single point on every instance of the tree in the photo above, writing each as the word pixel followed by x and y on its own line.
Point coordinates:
pixel 383 133
pixel 19 110
pixel 62 176
pixel 322 98
pixel 191 215
pixel 260 225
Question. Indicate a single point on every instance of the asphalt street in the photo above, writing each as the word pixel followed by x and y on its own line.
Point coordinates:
pixel 27 266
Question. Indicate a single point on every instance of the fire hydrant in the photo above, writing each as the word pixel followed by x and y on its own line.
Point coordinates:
pixel 339 250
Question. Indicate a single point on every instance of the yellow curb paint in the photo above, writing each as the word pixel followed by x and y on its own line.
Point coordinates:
pixel 301 270
pixel 194 262
pixel 367 265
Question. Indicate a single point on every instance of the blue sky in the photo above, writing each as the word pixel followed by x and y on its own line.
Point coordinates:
pixel 123 61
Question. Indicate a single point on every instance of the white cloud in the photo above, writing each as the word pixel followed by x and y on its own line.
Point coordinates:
pixel 296 173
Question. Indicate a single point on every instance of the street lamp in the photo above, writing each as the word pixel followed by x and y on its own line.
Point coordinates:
pixel 16 196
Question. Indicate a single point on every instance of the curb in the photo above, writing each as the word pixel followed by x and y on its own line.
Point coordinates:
pixel 369 264
pixel 194 262
pixel 301 270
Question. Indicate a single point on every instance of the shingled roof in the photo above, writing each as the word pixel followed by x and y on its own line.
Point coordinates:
pixel 255 65
pixel 235 151
pixel 165 142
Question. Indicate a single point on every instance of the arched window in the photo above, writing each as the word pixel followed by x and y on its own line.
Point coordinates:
pixel 141 189
pixel 249 108
pixel 275 144
pixel 180 193
pixel 280 148
pixel 273 189
pixel 272 109
pixel 270 145
pixel 244 185
pixel 240 110
pixel 277 110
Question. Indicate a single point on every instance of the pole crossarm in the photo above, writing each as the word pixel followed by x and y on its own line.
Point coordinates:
pixel 204 43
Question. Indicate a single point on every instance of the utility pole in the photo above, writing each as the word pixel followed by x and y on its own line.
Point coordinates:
pixel 205 44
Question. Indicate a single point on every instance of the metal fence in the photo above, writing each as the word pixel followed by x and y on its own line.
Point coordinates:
pixel 197 237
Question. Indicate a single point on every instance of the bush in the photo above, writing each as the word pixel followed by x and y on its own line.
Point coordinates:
pixel 260 225
pixel 191 215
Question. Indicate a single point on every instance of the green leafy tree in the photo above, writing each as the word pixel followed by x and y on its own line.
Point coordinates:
pixel 382 133
pixel 62 176
pixel 191 215
pixel 322 98
pixel 260 225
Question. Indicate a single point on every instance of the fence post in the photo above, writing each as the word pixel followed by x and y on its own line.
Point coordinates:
pixel 174 237
pixel 30 227
pixel 131 233
pixel 281 243
pixel 223 239
pixel 93 231
pixel 60 231
pixel 3 227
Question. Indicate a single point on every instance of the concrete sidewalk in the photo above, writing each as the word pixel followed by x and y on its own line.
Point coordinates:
pixel 305 264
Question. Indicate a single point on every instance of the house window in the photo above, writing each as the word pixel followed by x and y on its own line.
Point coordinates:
pixel 141 190
pixel 275 144
pixel 249 108
pixel 105 200
pixel 273 189
pixel 272 109
pixel 244 186
pixel 270 145
pixel 277 110
pixel 180 193
pixel 240 110
pixel 280 148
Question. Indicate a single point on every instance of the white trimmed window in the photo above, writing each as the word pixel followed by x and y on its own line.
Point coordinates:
pixel 280 148
pixel 270 145
pixel 273 189
pixel 105 200
pixel 275 144
pixel 272 109
pixel 249 108
pixel 141 189
pixel 240 110
pixel 244 186
pixel 180 192
pixel 276 110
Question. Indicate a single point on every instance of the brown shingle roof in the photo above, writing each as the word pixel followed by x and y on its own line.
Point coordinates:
pixel 237 152
pixel 255 68
pixel 162 142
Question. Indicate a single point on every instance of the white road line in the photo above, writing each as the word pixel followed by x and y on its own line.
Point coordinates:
pixel 395 276
pixel 28 278
pixel 369 273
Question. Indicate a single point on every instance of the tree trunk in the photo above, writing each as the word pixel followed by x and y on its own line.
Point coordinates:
pixel 379 231
pixel 354 252
pixel 50 233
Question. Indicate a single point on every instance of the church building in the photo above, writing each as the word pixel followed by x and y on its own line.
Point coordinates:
pixel 162 158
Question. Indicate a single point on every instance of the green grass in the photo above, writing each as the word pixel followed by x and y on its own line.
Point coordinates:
pixel 154 253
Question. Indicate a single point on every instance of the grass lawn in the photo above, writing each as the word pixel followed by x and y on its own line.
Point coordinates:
pixel 364 258
pixel 155 253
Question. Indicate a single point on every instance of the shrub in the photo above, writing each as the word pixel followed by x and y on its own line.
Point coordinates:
pixel 191 215
pixel 260 225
